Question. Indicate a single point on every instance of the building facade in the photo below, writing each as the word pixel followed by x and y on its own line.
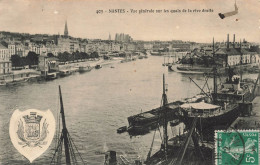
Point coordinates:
pixel 5 67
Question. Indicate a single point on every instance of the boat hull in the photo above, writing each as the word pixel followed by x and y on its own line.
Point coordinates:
pixel 194 70
pixel 207 125
pixel 84 69
pixel 150 120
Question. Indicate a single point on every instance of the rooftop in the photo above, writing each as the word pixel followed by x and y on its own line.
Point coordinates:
pixel 2 46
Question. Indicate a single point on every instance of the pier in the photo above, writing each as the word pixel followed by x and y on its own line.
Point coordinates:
pixel 19 77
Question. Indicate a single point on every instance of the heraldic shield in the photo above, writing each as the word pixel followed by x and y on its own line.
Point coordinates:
pixel 32 131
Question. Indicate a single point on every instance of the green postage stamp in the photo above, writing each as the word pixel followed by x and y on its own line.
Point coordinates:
pixel 238 147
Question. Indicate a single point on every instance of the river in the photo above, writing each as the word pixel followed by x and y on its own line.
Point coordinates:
pixel 96 103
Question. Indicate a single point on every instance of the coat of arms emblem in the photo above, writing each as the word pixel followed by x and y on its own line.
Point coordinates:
pixel 32 131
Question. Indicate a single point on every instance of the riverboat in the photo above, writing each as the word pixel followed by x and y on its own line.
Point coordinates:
pixel 157 53
pixel 144 122
pixel 98 66
pixel 173 150
pixel 193 69
pixel 51 76
pixel 222 107
pixel 140 57
pixel 64 73
pixel 83 69
pixel 216 111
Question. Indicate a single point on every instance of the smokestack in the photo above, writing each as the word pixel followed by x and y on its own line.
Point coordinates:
pixel 227 41
pixel 234 40
pixel 213 49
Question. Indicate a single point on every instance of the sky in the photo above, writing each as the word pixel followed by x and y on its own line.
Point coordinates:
pixel 49 16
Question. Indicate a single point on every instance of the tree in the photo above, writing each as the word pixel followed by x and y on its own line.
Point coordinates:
pixel 65 56
pixel 94 55
pixel 24 61
pixel 50 55
pixel 75 55
pixel 16 60
pixel 33 58
pixel 85 55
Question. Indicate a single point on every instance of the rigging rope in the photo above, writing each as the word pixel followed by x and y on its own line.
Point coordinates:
pixel 76 148
pixel 201 129
pixel 172 132
pixel 57 116
pixel 160 134
pixel 150 151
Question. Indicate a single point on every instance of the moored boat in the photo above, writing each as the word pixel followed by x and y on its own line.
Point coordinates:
pixel 122 129
pixel 173 150
pixel 51 76
pixel 170 68
pixel 64 73
pixel 2 83
pixel 98 66
pixel 140 57
pixel 221 108
pixel 156 53
pixel 193 69
pixel 83 69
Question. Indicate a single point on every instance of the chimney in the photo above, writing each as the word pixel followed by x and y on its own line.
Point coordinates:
pixel 227 41
pixel 234 40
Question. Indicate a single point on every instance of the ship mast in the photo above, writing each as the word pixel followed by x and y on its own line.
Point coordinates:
pixel 64 130
pixel 65 138
pixel 165 123
pixel 214 74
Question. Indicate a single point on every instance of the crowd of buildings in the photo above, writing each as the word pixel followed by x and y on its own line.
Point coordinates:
pixel 228 53
pixel 22 43
pixel 122 37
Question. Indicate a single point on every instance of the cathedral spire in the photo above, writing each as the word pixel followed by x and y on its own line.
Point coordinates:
pixel 66 32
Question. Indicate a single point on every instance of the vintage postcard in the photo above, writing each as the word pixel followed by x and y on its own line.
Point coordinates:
pixel 129 82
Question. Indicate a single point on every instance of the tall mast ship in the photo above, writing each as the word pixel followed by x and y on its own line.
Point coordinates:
pixel 72 155
pixel 173 150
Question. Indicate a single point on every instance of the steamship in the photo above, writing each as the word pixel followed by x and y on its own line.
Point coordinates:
pixel 223 106
pixel 216 111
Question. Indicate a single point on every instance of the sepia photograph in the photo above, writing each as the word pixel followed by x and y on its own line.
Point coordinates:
pixel 129 82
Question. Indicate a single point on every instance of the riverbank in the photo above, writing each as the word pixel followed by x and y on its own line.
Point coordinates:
pixel 31 75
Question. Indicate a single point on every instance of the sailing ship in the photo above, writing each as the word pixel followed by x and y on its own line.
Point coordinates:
pixel 173 150
pixel 72 156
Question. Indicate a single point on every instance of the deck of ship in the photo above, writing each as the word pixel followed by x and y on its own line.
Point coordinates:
pixel 249 122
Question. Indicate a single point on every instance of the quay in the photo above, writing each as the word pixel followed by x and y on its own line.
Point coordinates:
pixel 19 77
pixel 34 75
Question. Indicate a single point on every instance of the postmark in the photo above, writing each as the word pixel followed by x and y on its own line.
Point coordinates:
pixel 31 132
pixel 238 147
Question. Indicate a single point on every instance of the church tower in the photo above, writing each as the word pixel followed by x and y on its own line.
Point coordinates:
pixel 109 37
pixel 66 32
